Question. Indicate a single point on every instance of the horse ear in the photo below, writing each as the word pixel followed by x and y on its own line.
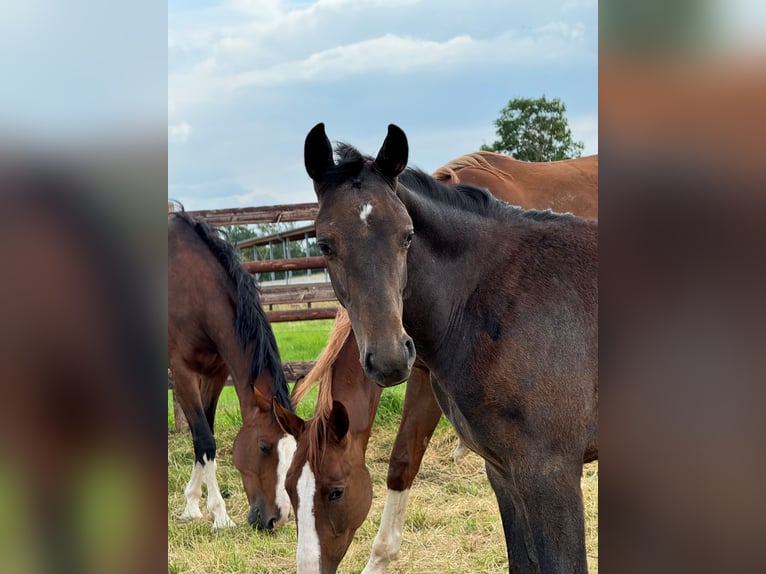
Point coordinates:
pixel 339 420
pixel 317 152
pixel 288 421
pixel 261 401
pixel 392 157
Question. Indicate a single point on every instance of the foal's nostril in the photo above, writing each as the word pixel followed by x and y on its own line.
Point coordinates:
pixel 410 347
pixel 271 524
pixel 369 366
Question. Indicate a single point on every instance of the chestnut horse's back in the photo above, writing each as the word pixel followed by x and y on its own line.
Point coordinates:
pixel 567 186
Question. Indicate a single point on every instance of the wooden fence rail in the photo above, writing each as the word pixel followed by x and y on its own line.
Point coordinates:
pixel 297 293
pixel 255 215
pixel 295 264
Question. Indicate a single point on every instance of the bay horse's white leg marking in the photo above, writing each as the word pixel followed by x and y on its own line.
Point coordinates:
pixel 308 539
pixel 193 493
pixel 215 503
pixel 388 541
pixel 285 450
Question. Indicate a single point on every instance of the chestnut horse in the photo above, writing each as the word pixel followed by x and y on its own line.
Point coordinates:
pixel 534 423
pixel 216 326
pixel 331 448
pixel 573 187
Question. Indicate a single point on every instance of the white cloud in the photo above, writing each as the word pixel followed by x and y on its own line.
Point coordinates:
pixel 387 54
pixel 179 133
pixel 212 77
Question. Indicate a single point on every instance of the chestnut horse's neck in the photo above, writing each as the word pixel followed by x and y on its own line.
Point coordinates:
pixel 358 394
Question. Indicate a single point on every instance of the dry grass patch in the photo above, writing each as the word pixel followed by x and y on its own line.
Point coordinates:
pixel 453 524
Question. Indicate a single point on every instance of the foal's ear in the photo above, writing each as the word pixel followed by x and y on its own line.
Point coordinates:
pixel 392 157
pixel 288 421
pixel 317 152
pixel 339 420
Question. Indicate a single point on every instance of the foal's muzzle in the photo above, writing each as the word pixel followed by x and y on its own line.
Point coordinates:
pixel 388 368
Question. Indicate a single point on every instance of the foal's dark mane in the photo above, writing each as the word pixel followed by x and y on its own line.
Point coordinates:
pixel 469 197
pixel 250 322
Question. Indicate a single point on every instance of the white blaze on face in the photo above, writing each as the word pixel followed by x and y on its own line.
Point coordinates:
pixel 308 539
pixel 365 212
pixel 285 451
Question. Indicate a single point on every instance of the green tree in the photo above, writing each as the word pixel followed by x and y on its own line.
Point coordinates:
pixel 237 233
pixel 535 129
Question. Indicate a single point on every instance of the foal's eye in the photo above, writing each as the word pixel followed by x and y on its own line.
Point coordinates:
pixel 408 239
pixel 325 249
pixel 264 448
pixel 335 493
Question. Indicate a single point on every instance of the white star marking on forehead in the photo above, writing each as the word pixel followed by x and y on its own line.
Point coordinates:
pixel 365 212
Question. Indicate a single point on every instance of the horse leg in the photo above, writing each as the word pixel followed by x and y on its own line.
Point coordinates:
pixel 459 451
pixel 186 389
pixel 542 513
pixel 211 391
pixel 420 416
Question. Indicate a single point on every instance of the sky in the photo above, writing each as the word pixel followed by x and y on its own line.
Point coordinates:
pixel 247 80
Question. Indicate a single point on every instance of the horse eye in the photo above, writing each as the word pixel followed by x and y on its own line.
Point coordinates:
pixel 408 240
pixel 325 249
pixel 335 494
pixel 265 448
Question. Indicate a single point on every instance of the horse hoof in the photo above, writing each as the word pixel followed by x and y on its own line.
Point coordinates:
pixel 190 515
pixel 223 524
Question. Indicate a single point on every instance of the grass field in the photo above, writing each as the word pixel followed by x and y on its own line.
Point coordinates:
pixel 453 524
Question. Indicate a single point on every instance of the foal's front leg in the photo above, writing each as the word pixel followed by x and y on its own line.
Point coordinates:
pixel 419 419
pixel 542 512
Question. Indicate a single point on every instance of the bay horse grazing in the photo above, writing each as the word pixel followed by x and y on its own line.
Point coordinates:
pixel 510 340
pixel 328 482
pixel 217 327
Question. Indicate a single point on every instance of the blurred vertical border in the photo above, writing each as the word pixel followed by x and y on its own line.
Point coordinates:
pixel 682 137
pixel 83 187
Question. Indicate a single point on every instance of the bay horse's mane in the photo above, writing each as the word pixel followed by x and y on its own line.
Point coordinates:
pixel 250 322
pixel 477 160
pixel 322 373
pixel 468 197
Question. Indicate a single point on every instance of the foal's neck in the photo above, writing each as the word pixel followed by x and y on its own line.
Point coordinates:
pixel 448 260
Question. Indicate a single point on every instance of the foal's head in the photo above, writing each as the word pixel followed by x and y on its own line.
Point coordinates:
pixel 364 232
pixel 262 453
pixel 329 486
